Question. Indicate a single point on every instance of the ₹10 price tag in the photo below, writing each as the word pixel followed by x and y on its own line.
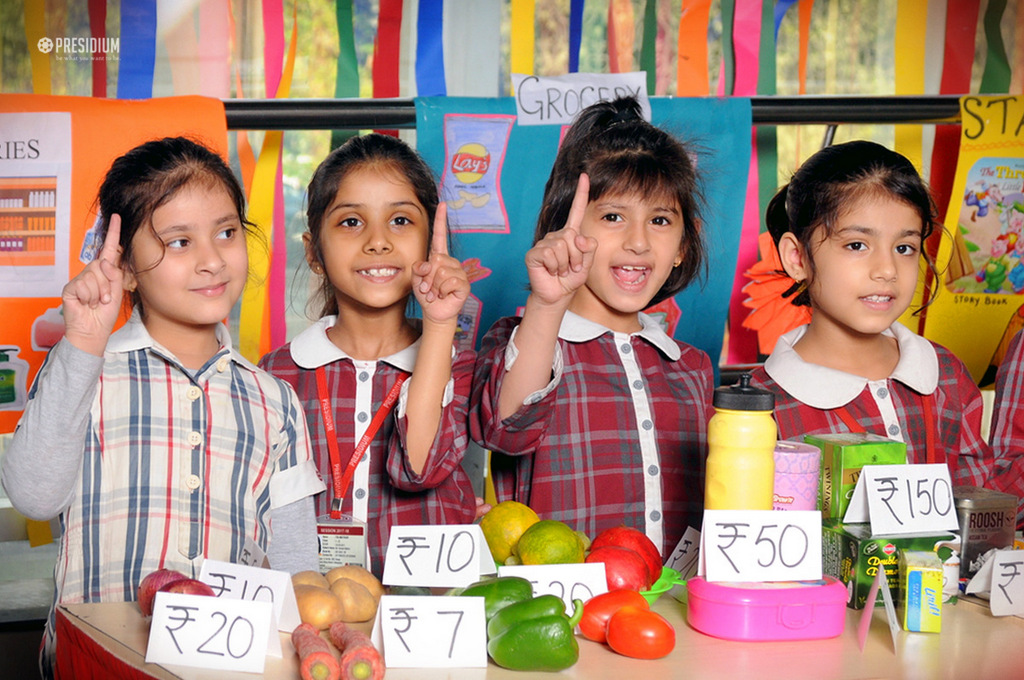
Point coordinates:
pixel 448 556
pixel 904 499
pixel 431 632
pixel 209 632
pixel 241 582
pixel 761 545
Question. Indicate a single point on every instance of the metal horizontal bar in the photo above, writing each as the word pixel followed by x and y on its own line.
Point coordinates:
pixel 363 114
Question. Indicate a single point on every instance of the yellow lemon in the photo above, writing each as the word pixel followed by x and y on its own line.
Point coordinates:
pixel 503 525
pixel 550 542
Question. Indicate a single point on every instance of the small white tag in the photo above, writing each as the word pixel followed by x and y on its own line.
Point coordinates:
pixel 448 556
pixel 684 558
pixel 904 499
pixel 431 632
pixel 761 545
pixel 210 632
pixel 567 581
pixel 239 582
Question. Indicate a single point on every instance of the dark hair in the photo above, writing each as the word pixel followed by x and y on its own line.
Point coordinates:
pixel 830 181
pixel 148 176
pixel 623 153
pixel 383 152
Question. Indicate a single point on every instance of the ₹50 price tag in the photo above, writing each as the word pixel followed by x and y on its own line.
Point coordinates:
pixel 904 499
pixel 448 556
pixel 761 545
pixel 209 632
pixel 431 632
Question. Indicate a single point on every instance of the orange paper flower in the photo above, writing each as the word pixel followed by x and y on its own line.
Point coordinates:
pixel 771 314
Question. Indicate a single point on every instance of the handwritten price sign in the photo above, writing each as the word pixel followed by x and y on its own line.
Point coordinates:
pixel 1007 594
pixel 567 581
pixel 431 632
pixel 449 556
pixel 761 545
pixel 241 582
pixel 684 558
pixel 904 499
pixel 209 632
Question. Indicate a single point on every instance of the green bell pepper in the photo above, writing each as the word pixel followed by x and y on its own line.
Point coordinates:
pixel 499 592
pixel 535 635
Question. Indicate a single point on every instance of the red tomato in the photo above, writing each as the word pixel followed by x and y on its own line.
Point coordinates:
pixel 598 609
pixel 640 633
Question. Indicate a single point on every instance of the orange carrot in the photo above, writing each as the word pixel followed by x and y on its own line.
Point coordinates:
pixel 360 660
pixel 316 662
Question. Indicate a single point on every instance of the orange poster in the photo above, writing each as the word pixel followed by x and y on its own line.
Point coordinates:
pixel 54 153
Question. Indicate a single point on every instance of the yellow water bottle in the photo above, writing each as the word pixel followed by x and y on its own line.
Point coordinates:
pixel 741 449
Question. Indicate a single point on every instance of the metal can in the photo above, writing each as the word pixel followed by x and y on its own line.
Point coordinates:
pixel 987 522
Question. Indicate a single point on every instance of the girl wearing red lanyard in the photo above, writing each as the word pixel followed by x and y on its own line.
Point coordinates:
pixel 849 229
pixel 389 449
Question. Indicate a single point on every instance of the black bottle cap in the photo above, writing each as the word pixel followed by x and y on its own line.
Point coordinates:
pixel 743 397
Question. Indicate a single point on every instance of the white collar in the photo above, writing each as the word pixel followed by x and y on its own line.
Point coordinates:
pixel 825 388
pixel 312 348
pixel 133 336
pixel 575 328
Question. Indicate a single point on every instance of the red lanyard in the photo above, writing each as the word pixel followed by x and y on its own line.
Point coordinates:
pixel 931 456
pixel 342 479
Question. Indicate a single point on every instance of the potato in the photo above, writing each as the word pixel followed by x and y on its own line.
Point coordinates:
pixel 359 575
pixel 357 603
pixel 319 607
pixel 311 578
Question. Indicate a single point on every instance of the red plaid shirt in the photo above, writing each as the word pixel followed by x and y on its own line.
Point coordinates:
pixel 385 491
pixel 809 399
pixel 619 436
pixel 1008 425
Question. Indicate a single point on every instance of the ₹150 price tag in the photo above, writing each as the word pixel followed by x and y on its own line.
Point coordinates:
pixel 568 581
pixel 431 632
pixel 209 632
pixel 448 556
pixel 904 499
pixel 761 545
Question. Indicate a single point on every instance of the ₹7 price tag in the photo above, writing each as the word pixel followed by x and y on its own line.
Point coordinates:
pixel 761 545
pixel 1007 594
pixel 568 581
pixel 209 632
pixel 904 499
pixel 431 632
pixel 448 556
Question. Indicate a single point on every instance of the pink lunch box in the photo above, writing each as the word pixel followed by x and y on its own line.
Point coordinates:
pixel 782 610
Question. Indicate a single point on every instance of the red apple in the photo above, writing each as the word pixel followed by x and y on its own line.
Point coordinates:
pixel 625 569
pixel 188 586
pixel 153 582
pixel 636 540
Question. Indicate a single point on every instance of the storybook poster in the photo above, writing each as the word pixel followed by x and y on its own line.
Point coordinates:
pixel 978 306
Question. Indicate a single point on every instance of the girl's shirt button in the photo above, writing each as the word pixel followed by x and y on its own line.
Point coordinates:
pixel 222 364
pixel 894 429
pixel 362 416
pixel 360 494
pixel 364 376
pixel 626 348
pixel 647 425
pixel 655 516
pixel 193 482
pixel 195 438
pixel 882 393
pixel 652 470
pixel 193 393
pixel 638 384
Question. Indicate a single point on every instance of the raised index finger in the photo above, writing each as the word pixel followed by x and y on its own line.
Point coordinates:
pixel 439 243
pixel 111 251
pixel 579 202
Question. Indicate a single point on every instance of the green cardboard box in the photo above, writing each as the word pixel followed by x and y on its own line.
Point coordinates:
pixel 842 457
pixel 852 555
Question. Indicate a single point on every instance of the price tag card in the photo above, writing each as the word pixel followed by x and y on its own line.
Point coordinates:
pixel 1007 594
pixel 684 558
pixel 447 556
pixel 904 499
pixel 239 582
pixel 567 581
pixel 210 632
pixel 431 632
pixel 761 545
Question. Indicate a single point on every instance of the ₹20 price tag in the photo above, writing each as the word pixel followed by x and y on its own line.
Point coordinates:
pixel 447 556
pixel 568 581
pixel 904 499
pixel 761 545
pixel 209 632
pixel 431 632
